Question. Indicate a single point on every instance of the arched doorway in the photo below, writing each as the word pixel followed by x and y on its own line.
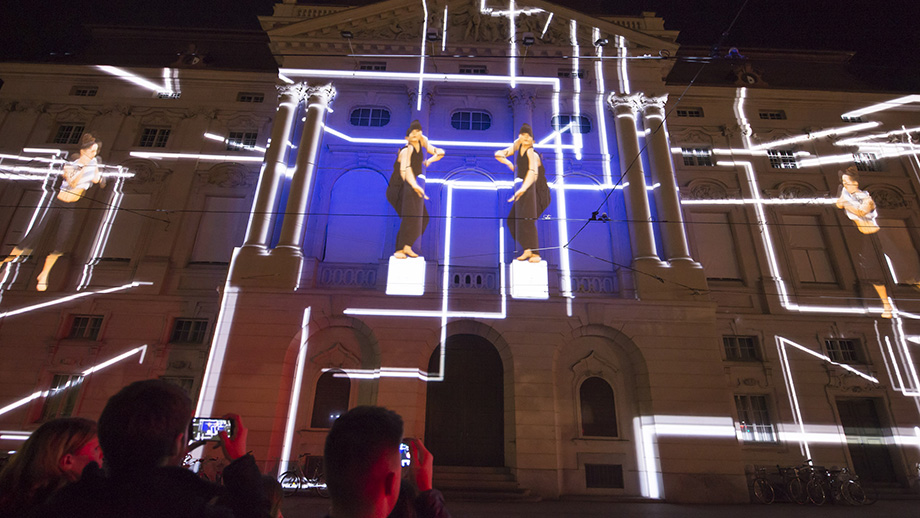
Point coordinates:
pixel 464 418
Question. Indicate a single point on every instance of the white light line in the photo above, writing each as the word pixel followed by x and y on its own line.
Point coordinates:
pixel 142 350
pixel 133 78
pixel 601 112
pixel 818 134
pixel 763 201
pixel 793 397
pixel 218 138
pixel 887 105
pixel 68 298
pixel 215 363
pixel 453 143
pixel 210 158
pixel 511 54
pixel 623 53
pixel 444 31
pixel 291 425
pixel 17 404
pixel 421 66
pixel 43 150
pixel 412 76
pixel 546 27
pixel 102 234
pixel 857 140
pixel 576 80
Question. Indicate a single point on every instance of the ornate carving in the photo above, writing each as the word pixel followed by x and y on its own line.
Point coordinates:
pixel 703 190
pixel 146 172
pixel 323 94
pixel 592 365
pixel 847 381
pixel 230 176
pixel 889 199
pixel 336 355
pixel 625 104
pixel 654 105
pixel 789 190
pixel 297 91
pixel 596 284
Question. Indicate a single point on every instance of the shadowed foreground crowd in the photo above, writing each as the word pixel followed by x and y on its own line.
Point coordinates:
pixel 130 464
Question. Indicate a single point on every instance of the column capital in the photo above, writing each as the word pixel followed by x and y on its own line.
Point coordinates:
pixel 297 91
pixel 654 105
pixel 427 96
pixel 522 97
pixel 323 94
pixel 628 104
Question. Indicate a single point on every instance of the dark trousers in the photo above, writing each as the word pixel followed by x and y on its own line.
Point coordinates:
pixel 522 220
pixel 414 218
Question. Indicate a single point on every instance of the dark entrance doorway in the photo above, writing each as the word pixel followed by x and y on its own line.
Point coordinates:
pixel 866 440
pixel 464 417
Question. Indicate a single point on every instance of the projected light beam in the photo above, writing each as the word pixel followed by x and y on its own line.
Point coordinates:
pixel 68 298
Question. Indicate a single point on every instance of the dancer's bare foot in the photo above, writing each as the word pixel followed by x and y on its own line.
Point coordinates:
pixel 408 251
pixel 887 310
pixel 399 254
pixel 42 284
pixel 526 255
pixel 535 258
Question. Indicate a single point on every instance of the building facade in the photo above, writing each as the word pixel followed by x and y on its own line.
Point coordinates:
pixel 702 304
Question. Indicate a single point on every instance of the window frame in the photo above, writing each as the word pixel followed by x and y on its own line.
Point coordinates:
pixel 582 433
pixel 329 375
pixel 692 112
pixel 90 331
pixel 697 156
pixel 371 116
pixel 744 408
pixel 556 122
pixel 474 70
pixel 250 97
pixel 782 159
pixel 84 91
pixel 485 118
pixel 245 140
pixel 156 137
pixel 735 352
pixel 867 162
pixel 856 355
pixel 61 400
pixel 196 333
pixel 374 66
pixel 772 115
pixel 68 133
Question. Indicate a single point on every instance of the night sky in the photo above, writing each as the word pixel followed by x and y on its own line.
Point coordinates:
pixel 884 35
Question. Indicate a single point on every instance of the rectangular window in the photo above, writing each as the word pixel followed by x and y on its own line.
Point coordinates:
pixel 808 249
pixel 697 156
pixel 690 112
pixel 477 70
pixel 154 137
pixel 242 140
pixel 566 73
pixel 844 350
pixel 604 476
pixel 189 330
pixel 250 97
pixel 85 327
pixel 754 421
pixel 84 91
pixel 571 124
pixel 772 115
pixel 851 119
pixel 68 133
pixel 866 162
pixel 372 65
pixel 715 245
pixel 782 159
pixel 741 348
pixel 62 396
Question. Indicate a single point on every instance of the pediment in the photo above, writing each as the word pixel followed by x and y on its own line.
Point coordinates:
pixel 402 21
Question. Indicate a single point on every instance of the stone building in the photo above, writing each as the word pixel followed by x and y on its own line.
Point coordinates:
pixel 701 306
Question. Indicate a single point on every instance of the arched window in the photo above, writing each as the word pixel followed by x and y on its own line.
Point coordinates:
pixel 579 124
pixel 370 117
pixel 331 399
pixel 598 410
pixel 471 120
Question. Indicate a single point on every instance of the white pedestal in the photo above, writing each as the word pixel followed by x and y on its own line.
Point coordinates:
pixel 529 280
pixel 406 276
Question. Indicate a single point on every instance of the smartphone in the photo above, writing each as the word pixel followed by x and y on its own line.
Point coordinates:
pixel 207 428
pixel 405 457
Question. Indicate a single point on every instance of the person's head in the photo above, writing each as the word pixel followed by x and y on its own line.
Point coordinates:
pixel 273 492
pixel 849 179
pixel 525 136
pixel 52 456
pixel 414 133
pixel 145 425
pixel 89 146
pixel 362 461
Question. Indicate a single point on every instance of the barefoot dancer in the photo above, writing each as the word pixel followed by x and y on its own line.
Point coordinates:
pixel 405 192
pixel 860 207
pixel 531 198
pixel 54 228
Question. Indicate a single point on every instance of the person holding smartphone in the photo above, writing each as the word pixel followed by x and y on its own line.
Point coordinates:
pixel 417 496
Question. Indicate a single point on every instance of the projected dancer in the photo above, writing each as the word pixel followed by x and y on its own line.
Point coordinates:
pixel 531 198
pixel 54 227
pixel 860 208
pixel 406 192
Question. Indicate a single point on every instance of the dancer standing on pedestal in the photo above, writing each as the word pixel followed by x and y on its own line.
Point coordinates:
pixel 54 227
pixel 406 192
pixel 531 198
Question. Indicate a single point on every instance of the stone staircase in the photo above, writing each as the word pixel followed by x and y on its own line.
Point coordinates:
pixel 461 483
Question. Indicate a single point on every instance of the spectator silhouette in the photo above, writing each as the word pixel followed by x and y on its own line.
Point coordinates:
pixel 143 431
pixel 53 456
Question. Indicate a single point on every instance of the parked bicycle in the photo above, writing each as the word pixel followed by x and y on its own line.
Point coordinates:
pixel 843 487
pixel 309 476
pixel 189 463
pixel 788 484
pixel 805 483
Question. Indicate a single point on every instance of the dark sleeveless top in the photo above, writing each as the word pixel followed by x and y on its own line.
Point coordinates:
pixel 395 187
pixel 540 186
pixel 415 160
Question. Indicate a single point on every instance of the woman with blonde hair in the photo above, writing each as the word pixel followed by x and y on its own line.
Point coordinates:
pixel 53 456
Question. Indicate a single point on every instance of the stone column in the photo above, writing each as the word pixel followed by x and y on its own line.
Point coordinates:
pixel 257 235
pixel 625 108
pixel 318 99
pixel 667 200
pixel 522 104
